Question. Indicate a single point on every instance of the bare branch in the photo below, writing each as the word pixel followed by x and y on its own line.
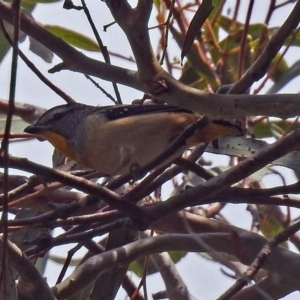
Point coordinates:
pixel 36 286
pixel 235 243
pixel 80 183
pixel 260 67
pixel 162 85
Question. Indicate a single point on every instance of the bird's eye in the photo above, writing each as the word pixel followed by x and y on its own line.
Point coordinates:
pixel 57 116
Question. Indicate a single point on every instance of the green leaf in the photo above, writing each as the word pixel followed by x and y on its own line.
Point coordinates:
pixel 266 129
pixel 268 224
pixel 204 71
pixel 290 40
pixel 231 47
pixel 17 125
pixel 226 55
pixel 191 77
pixel 254 30
pixel 280 67
pixel 217 4
pixel 195 26
pixel 157 4
pixel 4 45
pixel 260 174
pixel 288 75
pixel 73 38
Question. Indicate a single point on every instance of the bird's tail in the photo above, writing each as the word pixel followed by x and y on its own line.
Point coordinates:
pixel 217 129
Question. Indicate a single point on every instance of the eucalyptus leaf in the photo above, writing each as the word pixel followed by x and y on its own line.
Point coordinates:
pixel 40 50
pixel 199 18
pixel 73 38
pixel 243 147
pixel 274 128
pixel 289 74
pixel 157 4
pixel 17 125
pixel 35 46
pixel 61 260
pixel 202 70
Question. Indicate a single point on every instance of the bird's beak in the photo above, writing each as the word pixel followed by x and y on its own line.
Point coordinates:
pixel 36 130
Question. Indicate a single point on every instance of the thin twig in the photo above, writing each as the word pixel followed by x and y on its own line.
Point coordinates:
pixel 167 23
pixel 101 89
pixel 5 142
pixel 102 47
pixel 260 260
pixel 276 64
pixel 261 65
pixel 241 63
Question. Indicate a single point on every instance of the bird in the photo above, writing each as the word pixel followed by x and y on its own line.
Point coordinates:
pixel 112 139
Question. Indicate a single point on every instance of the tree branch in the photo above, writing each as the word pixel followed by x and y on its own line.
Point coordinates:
pixel 162 85
pixel 36 286
pixel 221 182
pixel 80 183
pixel 72 59
pixel 261 65
pixel 235 244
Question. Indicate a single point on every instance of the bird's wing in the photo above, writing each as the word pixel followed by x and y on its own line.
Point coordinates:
pixel 122 111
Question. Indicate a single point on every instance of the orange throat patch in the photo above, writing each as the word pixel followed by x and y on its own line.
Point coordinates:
pixel 59 142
